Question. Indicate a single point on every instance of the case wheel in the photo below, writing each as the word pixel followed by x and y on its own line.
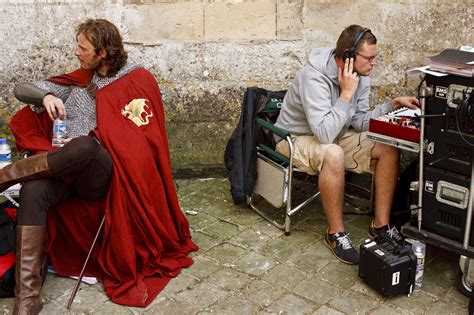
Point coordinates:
pixel 462 285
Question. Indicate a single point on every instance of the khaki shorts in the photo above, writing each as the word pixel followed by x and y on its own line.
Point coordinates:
pixel 309 152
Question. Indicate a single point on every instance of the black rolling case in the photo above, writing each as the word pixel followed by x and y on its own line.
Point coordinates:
pixel 386 267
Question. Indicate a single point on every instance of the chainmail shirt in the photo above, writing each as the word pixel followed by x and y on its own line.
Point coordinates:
pixel 79 104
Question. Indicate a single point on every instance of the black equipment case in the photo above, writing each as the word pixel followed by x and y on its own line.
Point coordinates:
pixel 450 132
pixel 445 202
pixel 387 268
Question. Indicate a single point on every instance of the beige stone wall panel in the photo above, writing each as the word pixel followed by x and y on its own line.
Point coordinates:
pixel 139 2
pixel 240 21
pixel 289 20
pixel 161 22
pixel 52 2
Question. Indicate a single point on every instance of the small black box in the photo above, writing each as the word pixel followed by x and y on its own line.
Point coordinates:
pixel 387 268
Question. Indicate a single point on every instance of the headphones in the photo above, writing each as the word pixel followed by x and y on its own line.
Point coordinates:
pixel 351 53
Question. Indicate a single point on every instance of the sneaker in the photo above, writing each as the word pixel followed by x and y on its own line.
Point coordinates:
pixel 389 231
pixel 341 246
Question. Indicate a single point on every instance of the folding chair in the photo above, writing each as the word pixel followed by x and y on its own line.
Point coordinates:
pixel 274 170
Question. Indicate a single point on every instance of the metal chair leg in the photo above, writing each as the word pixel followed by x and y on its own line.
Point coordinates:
pixel 78 282
pixel 372 196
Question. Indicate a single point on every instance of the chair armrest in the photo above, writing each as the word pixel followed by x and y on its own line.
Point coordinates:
pixel 280 158
pixel 276 130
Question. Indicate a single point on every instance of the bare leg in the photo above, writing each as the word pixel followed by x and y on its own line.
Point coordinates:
pixel 331 185
pixel 386 174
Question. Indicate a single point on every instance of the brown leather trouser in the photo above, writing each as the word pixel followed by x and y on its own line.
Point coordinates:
pixel 88 168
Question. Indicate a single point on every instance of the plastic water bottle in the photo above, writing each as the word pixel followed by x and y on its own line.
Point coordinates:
pixel 5 153
pixel 59 132
pixel 419 249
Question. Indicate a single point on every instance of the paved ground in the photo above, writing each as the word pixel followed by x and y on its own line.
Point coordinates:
pixel 247 266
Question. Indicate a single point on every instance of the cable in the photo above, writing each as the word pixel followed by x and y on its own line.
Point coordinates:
pixel 468 114
pixel 357 151
pixel 464 109
pixel 419 88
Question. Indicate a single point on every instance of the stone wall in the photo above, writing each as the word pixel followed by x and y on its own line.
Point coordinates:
pixel 204 53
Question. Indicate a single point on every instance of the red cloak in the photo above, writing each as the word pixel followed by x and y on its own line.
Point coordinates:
pixel 146 238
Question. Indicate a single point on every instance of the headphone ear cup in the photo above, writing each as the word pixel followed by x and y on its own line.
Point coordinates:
pixel 352 53
pixel 346 55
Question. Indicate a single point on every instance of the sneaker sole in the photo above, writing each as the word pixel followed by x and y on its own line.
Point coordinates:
pixel 334 253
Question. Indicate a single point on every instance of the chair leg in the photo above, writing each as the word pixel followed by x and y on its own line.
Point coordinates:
pixel 78 282
pixel 287 224
pixel 372 196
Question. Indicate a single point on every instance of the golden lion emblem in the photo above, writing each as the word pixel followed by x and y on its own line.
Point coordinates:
pixel 138 111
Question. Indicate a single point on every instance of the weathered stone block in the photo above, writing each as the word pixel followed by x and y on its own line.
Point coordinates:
pixel 289 20
pixel 155 1
pixel 318 15
pixel 240 21
pixel 168 22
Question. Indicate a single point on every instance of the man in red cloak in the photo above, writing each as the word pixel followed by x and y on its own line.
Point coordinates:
pixel 117 164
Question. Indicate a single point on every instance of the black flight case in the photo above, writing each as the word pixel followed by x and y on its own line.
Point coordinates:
pixel 387 268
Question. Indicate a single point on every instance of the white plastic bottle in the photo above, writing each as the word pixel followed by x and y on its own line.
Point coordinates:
pixel 419 249
pixel 5 153
pixel 59 132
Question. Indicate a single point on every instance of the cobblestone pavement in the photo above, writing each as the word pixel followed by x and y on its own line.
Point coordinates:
pixel 247 266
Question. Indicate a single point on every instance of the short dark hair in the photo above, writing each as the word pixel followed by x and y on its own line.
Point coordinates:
pixel 104 35
pixel 346 39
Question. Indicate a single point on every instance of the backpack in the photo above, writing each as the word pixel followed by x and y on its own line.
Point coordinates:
pixel 7 248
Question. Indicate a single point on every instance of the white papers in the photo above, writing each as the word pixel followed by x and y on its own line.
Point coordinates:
pixel 408 112
pixel 88 280
pixel 424 69
pixel 12 190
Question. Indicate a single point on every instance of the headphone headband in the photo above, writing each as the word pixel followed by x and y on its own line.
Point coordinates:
pixel 351 52
pixel 358 37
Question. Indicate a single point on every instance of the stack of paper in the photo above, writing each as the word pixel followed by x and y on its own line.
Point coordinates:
pixel 453 61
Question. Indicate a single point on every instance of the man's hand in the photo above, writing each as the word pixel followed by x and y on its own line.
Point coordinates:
pixel 54 106
pixel 405 101
pixel 348 80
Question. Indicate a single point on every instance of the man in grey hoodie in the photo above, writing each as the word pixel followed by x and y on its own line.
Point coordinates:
pixel 326 110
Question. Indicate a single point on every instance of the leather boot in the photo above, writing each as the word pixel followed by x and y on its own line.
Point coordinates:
pixel 30 258
pixel 33 167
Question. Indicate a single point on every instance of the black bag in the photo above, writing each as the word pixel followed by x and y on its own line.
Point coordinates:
pixel 7 248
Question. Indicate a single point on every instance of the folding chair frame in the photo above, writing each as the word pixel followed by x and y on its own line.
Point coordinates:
pixel 288 168
pixel 81 275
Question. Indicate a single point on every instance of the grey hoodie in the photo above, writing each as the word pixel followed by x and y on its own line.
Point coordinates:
pixel 312 104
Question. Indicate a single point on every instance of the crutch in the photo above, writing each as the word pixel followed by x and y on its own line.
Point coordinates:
pixel 78 282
